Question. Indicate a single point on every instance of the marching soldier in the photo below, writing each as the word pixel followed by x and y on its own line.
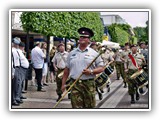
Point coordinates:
pixel 119 65
pixel 124 54
pixel 144 51
pixel 59 63
pixel 107 57
pixel 83 92
pixel 134 63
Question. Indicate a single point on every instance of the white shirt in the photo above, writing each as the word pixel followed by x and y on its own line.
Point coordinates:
pixel 23 59
pixel 59 61
pixel 16 58
pixel 37 57
pixel 78 60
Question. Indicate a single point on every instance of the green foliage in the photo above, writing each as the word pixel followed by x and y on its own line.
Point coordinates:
pixel 62 24
pixel 119 33
pixel 141 33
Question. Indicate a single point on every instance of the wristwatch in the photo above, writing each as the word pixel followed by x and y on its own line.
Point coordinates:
pixel 91 72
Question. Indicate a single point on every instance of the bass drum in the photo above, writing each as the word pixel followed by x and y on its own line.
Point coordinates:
pixel 101 79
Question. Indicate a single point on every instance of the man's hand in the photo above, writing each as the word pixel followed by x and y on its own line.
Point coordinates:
pixel 86 71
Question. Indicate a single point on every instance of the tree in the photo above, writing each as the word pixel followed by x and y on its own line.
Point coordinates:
pixel 141 33
pixel 120 33
pixel 62 24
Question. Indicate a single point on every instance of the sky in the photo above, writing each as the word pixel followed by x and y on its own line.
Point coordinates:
pixel 132 18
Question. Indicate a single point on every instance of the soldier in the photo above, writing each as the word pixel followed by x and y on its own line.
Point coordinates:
pixel 83 92
pixel 59 63
pixel 119 65
pixel 144 51
pixel 107 57
pixel 124 55
pixel 139 60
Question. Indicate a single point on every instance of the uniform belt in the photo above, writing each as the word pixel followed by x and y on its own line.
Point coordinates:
pixel 80 80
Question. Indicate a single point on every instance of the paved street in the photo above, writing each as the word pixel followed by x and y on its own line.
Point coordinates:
pixel 117 98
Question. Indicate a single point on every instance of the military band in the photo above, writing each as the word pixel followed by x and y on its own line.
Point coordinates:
pixel 92 70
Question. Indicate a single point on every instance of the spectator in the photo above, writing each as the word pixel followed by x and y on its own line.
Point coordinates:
pixel 52 71
pixel 45 65
pixel 37 58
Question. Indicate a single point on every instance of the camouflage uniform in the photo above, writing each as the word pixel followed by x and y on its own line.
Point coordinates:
pixel 132 87
pixel 119 65
pixel 124 55
pixel 83 90
pixel 131 70
pixel 59 61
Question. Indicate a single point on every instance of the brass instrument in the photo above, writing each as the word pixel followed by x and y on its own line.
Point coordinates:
pixel 60 75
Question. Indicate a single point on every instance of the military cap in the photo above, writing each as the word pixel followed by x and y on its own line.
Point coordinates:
pixel 141 43
pixel 133 45
pixel 60 44
pixel 85 32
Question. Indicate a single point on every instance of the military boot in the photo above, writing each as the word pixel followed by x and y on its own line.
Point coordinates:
pixel 132 99
pixel 125 85
pixel 137 96
pixel 59 97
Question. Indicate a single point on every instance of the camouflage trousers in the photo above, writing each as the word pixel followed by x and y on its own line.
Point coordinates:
pixel 83 94
pixel 131 87
pixel 59 82
pixel 120 71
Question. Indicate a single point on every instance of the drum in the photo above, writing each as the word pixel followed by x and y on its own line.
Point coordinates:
pixel 101 79
pixel 139 78
pixel 108 70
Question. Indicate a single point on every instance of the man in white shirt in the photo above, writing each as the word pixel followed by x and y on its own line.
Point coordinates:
pixel 24 64
pixel 37 58
pixel 16 73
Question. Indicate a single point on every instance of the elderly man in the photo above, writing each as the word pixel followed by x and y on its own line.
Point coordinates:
pixel 37 58
pixel 16 76
pixel 83 92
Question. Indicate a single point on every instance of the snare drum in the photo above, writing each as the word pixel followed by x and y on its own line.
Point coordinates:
pixel 108 70
pixel 139 78
pixel 101 79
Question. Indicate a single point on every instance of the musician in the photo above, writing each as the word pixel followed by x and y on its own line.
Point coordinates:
pixel 107 57
pixel 143 50
pixel 59 63
pixel 124 55
pixel 119 64
pixel 83 92
pixel 134 63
